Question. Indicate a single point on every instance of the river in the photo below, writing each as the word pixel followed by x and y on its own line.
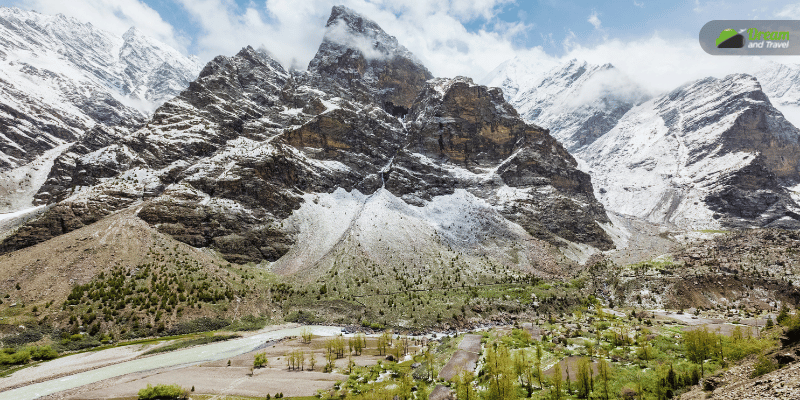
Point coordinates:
pixel 186 357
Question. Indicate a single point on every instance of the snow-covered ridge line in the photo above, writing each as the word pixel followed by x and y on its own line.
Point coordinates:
pixel 60 77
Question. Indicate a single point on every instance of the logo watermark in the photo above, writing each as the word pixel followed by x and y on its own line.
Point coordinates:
pixel 751 37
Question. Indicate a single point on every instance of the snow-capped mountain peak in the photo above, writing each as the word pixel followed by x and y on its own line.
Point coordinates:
pixel 60 77
pixel 714 152
pixel 228 162
pixel 577 101
pixel 357 49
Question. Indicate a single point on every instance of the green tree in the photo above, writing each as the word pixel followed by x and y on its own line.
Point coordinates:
pixel 538 364
pixel 672 378
pixel 430 363
pixel 312 361
pixel 783 315
pixel 569 379
pixel 555 393
pixel 499 368
pixel 645 352
pixel 764 365
pixel 698 344
pixel 162 392
pixel 524 371
pixel 584 379
pixel 260 360
pixel 604 373
pixel 384 341
pixel 464 386
pixel 306 335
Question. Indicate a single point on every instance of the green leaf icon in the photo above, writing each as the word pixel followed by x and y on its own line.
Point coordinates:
pixel 725 35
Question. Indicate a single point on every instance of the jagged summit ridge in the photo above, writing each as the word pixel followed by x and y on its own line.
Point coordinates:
pixel 231 161
pixel 152 70
pixel 60 77
pixel 356 51
pixel 577 101
pixel 348 28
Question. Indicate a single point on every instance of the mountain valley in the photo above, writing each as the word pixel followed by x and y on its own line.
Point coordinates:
pixel 561 206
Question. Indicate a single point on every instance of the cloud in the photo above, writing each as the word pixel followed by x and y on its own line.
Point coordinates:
pixel 569 41
pixel 433 30
pixel 548 39
pixel 115 16
pixel 340 34
pixel 595 21
pixel 612 83
pixel 790 112
pixel 638 4
pixel 791 11
pixel 662 64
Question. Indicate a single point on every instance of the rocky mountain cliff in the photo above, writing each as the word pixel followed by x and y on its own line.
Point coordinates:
pixel 362 156
pixel 714 152
pixel 60 77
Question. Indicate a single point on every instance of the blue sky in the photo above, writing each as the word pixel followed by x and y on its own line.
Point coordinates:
pixel 549 22
pixel 452 37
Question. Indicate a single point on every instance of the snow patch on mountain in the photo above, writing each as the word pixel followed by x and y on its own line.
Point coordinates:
pixel 577 101
pixel 519 74
pixel 460 220
pixel 19 185
pixel 60 77
pixel 781 82
pixel 665 157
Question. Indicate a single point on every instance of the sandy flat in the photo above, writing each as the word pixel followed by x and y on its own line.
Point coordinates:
pixel 217 378
pixel 471 343
pixel 234 381
pixel 72 364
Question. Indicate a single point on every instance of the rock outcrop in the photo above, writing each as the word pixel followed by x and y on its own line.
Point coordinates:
pixel 233 162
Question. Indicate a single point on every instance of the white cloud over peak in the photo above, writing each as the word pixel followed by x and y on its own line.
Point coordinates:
pixel 292 31
pixel 434 30
pixel 662 64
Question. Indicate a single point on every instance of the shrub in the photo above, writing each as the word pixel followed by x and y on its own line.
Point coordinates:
pixel 764 365
pixel 260 360
pixel 162 392
pixel 11 357
pixel 28 336
pixel 203 324
pixel 248 323
pixel 43 353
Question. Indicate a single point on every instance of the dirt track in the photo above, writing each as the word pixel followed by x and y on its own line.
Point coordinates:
pixel 465 358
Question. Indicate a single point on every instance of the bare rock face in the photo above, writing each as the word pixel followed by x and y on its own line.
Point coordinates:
pixel 356 52
pixel 71 169
pixel 233 162
pixel 472 127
